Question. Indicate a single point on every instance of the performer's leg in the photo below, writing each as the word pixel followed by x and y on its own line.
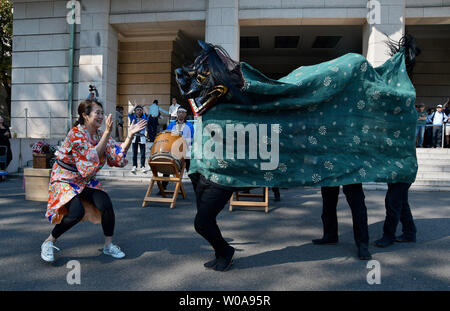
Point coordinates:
pixel 75 214
pixel 211 200
pixel 393 204
pixel 355 197
pixel 276 193
pixel 330 196
pixel 408 227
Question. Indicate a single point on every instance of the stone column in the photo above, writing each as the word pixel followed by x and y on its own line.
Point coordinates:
pixel 387 17
pixel 98 54
pixel 222 25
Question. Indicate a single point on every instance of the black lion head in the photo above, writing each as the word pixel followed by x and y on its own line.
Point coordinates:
pixel 212 76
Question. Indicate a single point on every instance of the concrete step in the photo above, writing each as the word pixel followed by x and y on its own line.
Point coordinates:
pixel 433 151
pixel 428 156
pixel 433 162
pixel 433 175
pixel 432 182
pixel 434 168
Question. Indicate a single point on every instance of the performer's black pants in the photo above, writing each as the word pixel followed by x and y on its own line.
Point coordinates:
pixel 211 199
pixel 76 212
pixel 355 198
pixel 135 151
pixel 152 128
pixel 397 209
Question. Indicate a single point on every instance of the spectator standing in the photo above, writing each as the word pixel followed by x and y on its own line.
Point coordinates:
pixel 437 118
pixel 139 138
pixel 447 126
pixel 427 142
pixel 421 124
pixel 152 125
pixel 186 129
pixel 119 122
pixel 173 109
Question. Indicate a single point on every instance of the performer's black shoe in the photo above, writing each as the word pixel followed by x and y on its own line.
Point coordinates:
pixel 403 239
pixel 224 263
pixel 384 242
pixel 277 198
pixel 363 253
pixel 210 264
pixel 326 240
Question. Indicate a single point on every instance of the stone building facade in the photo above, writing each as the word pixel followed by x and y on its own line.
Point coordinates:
pixel 129 48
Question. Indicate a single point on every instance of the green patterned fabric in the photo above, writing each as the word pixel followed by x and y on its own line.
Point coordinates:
pixel 339 122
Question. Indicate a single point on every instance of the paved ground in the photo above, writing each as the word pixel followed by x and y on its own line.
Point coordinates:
pixel 274 250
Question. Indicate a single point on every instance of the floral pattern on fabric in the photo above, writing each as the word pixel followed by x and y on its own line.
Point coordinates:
pixel 79 149
pixel 335 123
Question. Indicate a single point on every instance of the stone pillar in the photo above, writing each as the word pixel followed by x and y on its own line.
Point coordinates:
pixel 98 55
pixel 386 18
pixel 222 25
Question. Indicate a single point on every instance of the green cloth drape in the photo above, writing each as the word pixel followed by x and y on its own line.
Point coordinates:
pixel 338 122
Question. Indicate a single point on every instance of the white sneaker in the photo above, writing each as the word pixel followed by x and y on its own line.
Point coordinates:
pixel 47 251
pixel 145 170
pixel 113 250
pixel 133 170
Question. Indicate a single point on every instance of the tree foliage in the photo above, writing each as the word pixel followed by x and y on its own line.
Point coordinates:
pixel 6 24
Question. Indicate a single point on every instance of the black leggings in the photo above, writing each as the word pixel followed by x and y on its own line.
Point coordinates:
pixel 76 212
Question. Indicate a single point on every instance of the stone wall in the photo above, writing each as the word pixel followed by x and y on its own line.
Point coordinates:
pixel 40 70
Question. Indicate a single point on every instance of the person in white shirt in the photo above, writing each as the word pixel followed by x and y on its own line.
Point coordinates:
pixel 437 118
pixel 186 129
pixel 154 112
pixel 173 109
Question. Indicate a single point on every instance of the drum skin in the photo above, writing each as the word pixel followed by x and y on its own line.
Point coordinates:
pixel 162 149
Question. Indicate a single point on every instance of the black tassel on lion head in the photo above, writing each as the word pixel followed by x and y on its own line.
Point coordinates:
pixel 411 50
pixel 213 75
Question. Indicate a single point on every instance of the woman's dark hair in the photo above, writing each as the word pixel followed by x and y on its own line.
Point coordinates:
pixel 86 106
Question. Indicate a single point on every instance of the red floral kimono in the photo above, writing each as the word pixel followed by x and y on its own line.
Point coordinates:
pixel 79 149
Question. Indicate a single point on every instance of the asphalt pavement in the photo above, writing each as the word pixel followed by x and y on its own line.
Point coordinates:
pixel 274 250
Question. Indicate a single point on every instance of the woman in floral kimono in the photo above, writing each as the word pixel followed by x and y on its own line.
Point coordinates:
pixel 74 193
